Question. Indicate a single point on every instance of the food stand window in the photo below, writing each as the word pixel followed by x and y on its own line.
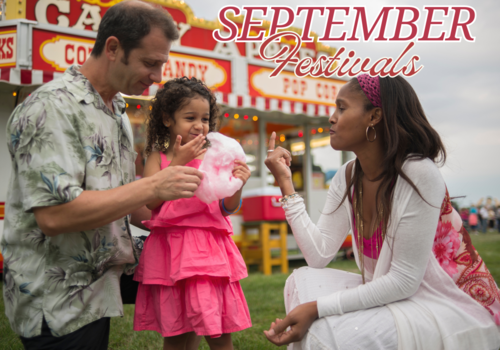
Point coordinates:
pixel 137 111
pixel 244 128
pixel 324 159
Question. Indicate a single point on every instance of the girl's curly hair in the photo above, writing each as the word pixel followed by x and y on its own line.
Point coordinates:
pixel 175 94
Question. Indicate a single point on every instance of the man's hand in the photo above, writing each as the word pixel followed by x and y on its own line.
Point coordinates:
pixel 191 150
pixel 299 320
pixel 176 182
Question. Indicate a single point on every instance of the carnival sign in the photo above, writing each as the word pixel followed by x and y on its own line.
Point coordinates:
pixel 8 45
pixel 214 73
pixel 288 86
pixel 61 51
pixel 58 52
pixel 194 32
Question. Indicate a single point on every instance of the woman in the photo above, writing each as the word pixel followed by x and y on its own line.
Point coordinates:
pixel 422 285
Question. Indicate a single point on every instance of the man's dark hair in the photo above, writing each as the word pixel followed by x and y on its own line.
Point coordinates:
pixel 129 23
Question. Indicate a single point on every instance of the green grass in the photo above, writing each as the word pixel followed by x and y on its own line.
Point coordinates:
pixel 488 247
pixel 264 295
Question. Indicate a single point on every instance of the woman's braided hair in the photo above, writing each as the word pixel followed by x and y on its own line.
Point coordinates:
pixel 175 94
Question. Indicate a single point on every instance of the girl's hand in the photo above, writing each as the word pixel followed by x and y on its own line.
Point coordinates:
pixel 278 161
pixel 191 150
pixel 299 320
pixel 241 171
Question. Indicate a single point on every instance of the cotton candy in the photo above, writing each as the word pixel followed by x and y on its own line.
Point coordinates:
pixel 217 168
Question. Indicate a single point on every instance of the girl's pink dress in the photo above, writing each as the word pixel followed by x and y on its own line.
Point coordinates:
pixel 189 271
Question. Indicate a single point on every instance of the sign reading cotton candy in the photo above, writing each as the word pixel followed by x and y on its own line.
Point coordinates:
pixel 217 168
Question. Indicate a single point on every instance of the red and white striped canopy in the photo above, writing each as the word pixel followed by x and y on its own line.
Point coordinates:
pixel 273 104
pixel 18 76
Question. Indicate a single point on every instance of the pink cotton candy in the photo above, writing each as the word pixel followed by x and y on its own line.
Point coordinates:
pixel 217 168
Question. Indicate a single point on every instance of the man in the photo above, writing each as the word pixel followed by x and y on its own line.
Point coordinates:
pixel 66 237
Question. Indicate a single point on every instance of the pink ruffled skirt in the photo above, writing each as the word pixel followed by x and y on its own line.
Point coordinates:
pixel 189 281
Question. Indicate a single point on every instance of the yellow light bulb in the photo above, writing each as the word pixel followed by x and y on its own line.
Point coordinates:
pixel 236 116
pixel 255 118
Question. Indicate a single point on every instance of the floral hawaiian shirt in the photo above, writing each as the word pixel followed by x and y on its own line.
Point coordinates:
pixel 63 140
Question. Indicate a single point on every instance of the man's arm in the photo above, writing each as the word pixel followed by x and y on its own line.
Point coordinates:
pixel 93 209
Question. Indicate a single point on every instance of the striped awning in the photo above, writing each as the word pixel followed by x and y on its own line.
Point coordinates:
pixel 273 104
pixel 18 76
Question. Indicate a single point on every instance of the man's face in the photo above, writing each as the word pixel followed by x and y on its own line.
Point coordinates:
pixel 144 64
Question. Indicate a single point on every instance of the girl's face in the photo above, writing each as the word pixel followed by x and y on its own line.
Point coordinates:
pixel 190 120
pixel 349 121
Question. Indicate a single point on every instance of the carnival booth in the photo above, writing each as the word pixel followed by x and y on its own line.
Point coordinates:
pixel 39 39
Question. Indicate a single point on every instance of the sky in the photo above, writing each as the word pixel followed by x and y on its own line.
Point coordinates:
pixel 459 86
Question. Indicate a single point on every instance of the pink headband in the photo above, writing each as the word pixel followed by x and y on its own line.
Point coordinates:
pixel 371 88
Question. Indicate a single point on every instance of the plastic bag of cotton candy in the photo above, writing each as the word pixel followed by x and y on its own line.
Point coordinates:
pixel 217 168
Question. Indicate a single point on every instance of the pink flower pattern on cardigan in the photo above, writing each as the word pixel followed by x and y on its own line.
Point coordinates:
pixel 446 245
pixel 457 256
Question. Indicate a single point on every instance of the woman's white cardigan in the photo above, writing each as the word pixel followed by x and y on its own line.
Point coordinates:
pixel 407 278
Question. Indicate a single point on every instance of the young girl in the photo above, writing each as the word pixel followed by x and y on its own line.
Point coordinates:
pixel 190 268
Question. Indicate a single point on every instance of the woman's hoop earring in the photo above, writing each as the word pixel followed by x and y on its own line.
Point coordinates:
pixel 367 129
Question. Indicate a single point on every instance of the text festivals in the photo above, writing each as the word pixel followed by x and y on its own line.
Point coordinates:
pixel 344 62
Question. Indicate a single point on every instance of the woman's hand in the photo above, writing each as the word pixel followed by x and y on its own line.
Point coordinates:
pixel 299 320
pixel 241 171
pixel 278 161
pixel 191 150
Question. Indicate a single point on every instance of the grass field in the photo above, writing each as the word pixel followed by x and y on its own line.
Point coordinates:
pixel 265 299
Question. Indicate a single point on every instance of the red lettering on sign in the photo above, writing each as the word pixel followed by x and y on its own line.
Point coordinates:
pixel 81 55
pixel 167 71
pixel 10 43
pixel 296 86
pixel 303 87
pixel 181 66
pixel 66 53
pixel 192 70
pixel 326 91
pixel 286 85
pixel 2 54
pixel 203 69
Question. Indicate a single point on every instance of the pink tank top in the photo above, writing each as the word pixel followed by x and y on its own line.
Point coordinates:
pixel 189 212
pixel 371 244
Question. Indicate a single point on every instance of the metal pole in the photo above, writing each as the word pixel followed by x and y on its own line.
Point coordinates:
pixel 307 167
pixel 262 151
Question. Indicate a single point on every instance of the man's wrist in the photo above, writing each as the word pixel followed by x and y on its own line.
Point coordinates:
pixel 151 185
